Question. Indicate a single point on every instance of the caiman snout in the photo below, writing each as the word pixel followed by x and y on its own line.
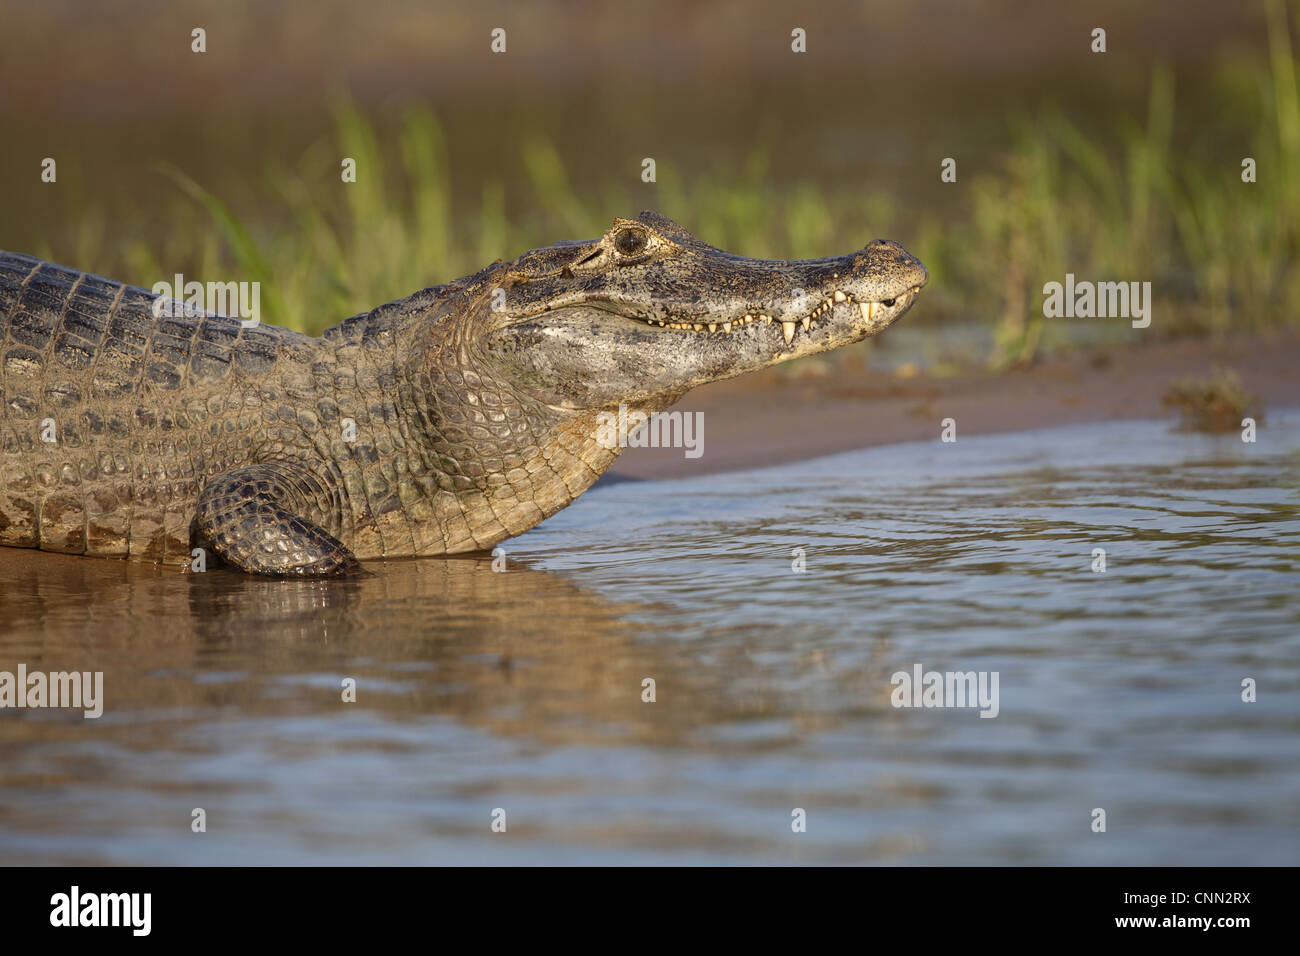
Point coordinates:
pixel 863 291
pixel 884 265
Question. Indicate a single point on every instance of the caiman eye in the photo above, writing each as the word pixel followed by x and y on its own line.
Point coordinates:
pixel 630 242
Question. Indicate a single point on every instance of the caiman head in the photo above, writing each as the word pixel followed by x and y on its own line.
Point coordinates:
pixel 648 311
pixel 511 371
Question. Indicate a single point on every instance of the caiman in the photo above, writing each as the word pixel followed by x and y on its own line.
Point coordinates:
pixel 444 422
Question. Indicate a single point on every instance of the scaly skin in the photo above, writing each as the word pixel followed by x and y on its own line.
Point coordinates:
pixel 475 404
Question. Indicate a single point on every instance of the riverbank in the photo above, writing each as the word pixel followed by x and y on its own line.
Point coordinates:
pixel 771 418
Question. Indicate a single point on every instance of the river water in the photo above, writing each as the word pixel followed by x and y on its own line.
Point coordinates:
pixel 519 693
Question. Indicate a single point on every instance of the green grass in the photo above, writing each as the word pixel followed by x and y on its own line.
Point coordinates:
pixel 1157 198
pixel 1221 254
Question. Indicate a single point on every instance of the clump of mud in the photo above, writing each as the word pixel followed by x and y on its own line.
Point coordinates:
pixel 1216 404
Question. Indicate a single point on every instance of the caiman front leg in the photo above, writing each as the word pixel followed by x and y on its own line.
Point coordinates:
pixel 267 519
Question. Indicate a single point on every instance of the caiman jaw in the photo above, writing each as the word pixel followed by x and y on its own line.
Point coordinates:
pixel 868 309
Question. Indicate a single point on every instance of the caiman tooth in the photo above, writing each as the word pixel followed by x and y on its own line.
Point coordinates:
pixel 767 320
pixel 726 327
pixel 868 309
pixel 839 296
pixel 713 326
pixel 788 329
pixel 698 328
pixel 807 322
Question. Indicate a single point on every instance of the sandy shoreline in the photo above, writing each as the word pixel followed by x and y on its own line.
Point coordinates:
pixel 769 418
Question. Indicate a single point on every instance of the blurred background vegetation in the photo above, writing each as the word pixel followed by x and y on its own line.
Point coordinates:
pixel 1117 166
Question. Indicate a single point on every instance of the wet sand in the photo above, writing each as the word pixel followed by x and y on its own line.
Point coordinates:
pixel 771 418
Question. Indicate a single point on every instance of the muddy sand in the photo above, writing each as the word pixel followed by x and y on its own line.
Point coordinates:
pixel 771 417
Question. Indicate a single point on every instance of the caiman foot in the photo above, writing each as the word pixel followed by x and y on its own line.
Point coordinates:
pixel 256 518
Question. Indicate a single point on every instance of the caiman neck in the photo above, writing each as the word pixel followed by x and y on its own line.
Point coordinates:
pixel 483 460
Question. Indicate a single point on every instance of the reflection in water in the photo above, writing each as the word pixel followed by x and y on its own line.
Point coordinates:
pixel 522 690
